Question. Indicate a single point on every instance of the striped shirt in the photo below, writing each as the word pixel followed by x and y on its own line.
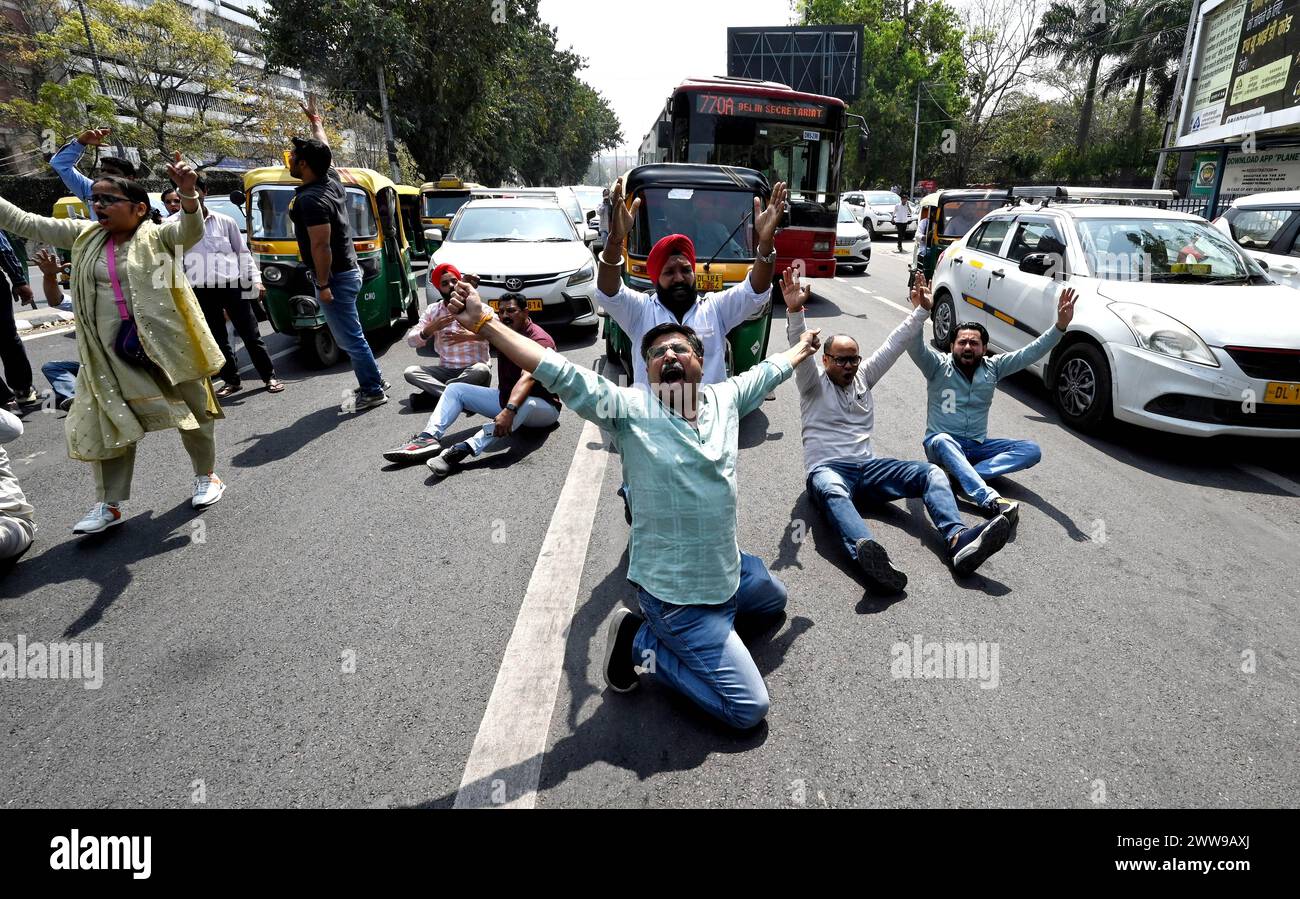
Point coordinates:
pixel 457 347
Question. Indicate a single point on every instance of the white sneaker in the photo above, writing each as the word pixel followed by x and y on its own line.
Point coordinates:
pixel 101 517
pixel 207 491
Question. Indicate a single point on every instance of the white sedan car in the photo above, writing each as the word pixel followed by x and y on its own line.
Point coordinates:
pixel 527 247
pixel 1175 328
pixel 852 241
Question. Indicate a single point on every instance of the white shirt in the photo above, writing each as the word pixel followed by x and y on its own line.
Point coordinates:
pixel 838 421
pixel 712 316
pixel 902 213
pixel 220 259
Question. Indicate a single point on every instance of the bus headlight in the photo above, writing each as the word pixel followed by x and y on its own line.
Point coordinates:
pixel 586 273
pixel 272 274
pixel 821 246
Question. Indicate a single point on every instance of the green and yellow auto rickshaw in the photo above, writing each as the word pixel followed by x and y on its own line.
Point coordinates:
pixel 714 206
pixel 947 215
pixel 389 296
pixel 408 197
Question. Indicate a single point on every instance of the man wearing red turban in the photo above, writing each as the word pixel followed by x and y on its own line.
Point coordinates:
pixel 675 300
pixel 462 355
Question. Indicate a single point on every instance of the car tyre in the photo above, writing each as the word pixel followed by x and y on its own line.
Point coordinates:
pixel 1081 388
pixel 319 348
pixel 943 318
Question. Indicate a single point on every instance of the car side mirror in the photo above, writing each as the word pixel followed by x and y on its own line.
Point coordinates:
pixel 1045 264
pixel 1262 264
pixel 589 235
pixel 238 198
pixel 433 235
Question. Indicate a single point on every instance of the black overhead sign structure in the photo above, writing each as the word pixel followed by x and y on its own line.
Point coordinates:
pixel 816 59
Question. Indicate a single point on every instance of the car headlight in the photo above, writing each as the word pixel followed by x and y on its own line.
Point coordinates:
pixel 865 236
pixel 586 273
pixel 272 274
pixel 1162 334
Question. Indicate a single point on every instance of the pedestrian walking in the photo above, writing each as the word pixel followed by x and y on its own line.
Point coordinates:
pixel 146 354
pixel 902 215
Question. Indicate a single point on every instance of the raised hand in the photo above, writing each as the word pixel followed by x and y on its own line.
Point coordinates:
pixel 1065 308
pixel 94 137
pixel 47 262
pixel 794 293
pixel 920 294
pixel 465 304
pixel 766 221
pixel 309 108
pixel 809 343
pixel 182 175
pixel 621 217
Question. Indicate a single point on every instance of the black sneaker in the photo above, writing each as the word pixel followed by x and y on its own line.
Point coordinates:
pixel 356 391
pixel 64 404
pixel 975 545
pixel 880 574
pixel 450 459
pixel 620 669
pixel 1002 506
pixel 417 449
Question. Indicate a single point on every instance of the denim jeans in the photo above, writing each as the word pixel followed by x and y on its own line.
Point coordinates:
pixel 345 325
pixel 461 397
pixel 62 376
pixel 971 462
pixel 835 487
pixel 694 649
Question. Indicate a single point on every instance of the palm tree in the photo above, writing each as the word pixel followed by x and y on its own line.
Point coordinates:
pixel 1081 31
pixel 1149 47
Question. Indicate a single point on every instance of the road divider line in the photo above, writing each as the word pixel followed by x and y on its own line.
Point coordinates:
pixel 505 764
pixel 861 289
pixel 1273 478
pixel 49 333
pixel 899 306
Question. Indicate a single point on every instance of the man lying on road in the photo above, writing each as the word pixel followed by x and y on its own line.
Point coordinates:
pixel 960 388
pixel 678 439
pixel 838 416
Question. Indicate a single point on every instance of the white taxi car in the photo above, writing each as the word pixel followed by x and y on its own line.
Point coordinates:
pixel 852 241
pixel 1267 226
pixel 1176 328
pixel 523 246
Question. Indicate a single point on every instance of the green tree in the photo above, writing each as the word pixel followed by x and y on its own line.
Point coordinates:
pixel 61 109
pixel 903 43
pixel 479 88
pixel 1082 31
pixel 1150 47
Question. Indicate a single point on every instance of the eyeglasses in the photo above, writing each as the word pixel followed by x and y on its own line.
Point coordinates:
pixel 679 349
pixel 106 199
pixel 844 361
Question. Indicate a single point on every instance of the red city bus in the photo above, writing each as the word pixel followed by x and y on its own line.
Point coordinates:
pixel 787 135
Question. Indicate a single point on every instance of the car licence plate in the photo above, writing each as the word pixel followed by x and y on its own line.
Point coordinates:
pixel 841 251
pixel 532 305
pixel 1283 393
pixel 708 281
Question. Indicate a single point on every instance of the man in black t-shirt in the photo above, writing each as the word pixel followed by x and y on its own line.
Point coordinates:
pixel 320 220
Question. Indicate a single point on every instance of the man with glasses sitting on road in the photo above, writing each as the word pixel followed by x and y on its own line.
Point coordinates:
pixel 838 416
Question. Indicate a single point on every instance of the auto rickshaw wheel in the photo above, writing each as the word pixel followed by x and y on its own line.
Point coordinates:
pixel 319 347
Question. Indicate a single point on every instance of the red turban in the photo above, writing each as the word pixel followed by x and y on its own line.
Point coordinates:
pixel 672 245
pixel 435 276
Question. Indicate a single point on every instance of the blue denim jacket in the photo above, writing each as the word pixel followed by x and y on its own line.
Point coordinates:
pixel 65 163
pixel 959 406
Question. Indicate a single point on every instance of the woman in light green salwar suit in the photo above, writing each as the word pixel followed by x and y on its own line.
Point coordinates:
pixel 118 401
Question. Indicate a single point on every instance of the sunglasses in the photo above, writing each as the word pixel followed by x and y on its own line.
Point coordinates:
pixel 844 361
pixel 106 199
pixel 679 349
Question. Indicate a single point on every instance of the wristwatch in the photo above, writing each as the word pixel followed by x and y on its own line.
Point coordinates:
pixel 512 407
pixel 769 258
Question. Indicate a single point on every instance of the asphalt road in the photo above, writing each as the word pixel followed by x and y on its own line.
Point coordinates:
pixel 332 632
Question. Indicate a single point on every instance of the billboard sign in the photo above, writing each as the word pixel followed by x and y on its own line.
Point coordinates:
pixel 815 59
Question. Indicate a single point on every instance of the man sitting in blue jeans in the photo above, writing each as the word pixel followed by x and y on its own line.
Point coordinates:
pixel 960 389
pixel 838 416
pixel 679 442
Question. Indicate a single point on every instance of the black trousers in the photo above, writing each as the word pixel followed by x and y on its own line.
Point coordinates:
pixel 18 371
pixel 215 301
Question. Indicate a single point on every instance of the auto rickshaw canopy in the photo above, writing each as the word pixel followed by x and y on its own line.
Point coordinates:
pixel 367 179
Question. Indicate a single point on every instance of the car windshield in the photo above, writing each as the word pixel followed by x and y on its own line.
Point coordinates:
pixel 707 217
pixel 1133 249
pixel 506 223
pixel 444 206
pixel 959 216
pixel 884 198
pixel 271 213
pixel 846 215
pixel 225 207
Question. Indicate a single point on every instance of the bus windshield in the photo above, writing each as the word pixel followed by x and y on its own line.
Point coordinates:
pixel 801 157
pixel 707 217
pixel 444 205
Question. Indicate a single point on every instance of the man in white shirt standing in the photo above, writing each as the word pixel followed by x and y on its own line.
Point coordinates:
pixel 902 216
pixel 220 269
pixel 838 417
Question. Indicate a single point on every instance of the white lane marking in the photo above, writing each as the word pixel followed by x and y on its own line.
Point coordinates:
pixel 512 736
pixel 47 333
pixel 898 306
pixel 861 289
pixel 1273 478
